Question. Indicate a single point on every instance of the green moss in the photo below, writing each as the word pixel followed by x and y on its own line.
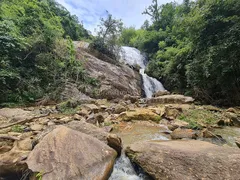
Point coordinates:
pixel 197 118
pixel 17 128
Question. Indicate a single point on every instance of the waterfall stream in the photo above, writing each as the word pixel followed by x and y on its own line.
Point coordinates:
pixel 133 57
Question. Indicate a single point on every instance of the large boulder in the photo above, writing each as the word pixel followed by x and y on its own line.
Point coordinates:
pixel 141 114
pixel 110 139
pixel 15 114
pixel 68 154
pixel 186 160
pixel 170 99
pixel 115 80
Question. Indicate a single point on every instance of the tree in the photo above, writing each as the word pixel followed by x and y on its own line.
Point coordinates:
pixel 145 25
pixel 153 11
pixel 108 34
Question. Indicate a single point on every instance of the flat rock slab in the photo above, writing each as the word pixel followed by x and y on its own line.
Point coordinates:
pixel 71 155
pixel 186 160
pixel 171 99
pixel 15 114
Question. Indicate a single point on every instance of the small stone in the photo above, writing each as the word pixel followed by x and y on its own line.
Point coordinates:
pixel 66 119
pixel 83 112
pixel 14 134
pixel 77 117
pixel 51 123
pixel 91 107
pixel 183 133
pixel 36 127
pixel 25 145
pixel 43 121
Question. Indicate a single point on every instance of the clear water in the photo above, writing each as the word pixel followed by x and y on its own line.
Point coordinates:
pixel 133 57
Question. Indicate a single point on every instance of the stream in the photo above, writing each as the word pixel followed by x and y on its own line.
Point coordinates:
pixel 131 133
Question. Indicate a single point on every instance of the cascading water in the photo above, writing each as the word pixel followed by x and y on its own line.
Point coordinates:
pixel 133 57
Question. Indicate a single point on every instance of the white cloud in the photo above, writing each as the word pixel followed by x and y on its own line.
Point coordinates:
pixel 90 11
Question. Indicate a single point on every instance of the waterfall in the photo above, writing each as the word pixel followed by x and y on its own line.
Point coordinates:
pixel 133 57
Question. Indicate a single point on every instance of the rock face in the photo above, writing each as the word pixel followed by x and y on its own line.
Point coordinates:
pixel 115 81
pixel 186 160
pixel 171 99
pixel 68 154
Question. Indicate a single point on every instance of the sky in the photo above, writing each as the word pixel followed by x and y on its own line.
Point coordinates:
pixel 90 11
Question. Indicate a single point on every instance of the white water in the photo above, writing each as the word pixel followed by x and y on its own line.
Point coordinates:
pixel 133 57
pixel 123 169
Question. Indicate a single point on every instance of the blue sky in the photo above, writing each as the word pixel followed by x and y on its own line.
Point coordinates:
pixel 90 11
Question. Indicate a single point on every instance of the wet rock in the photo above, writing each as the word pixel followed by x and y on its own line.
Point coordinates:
pixel 238 142
pixel 183 133
pixel 97 133
pixel 71 155
pixel 170 99
pixel 139 114
pixel 205 133
pixel 161 93
pixel 36 127
pixel 186 160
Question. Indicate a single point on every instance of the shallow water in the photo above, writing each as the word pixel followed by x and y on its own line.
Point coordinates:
pixel 229 134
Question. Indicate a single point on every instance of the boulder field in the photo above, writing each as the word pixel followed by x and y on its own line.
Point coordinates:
pixel 82 139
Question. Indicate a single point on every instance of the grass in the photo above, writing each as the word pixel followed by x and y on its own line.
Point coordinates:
pixel 197 118
pixel 68 107
pixel 18 128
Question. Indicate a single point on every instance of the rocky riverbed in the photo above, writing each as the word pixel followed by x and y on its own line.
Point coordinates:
pixel 166 137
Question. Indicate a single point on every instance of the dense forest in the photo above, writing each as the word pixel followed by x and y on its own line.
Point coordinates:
pixel 193 48
pixel 37 53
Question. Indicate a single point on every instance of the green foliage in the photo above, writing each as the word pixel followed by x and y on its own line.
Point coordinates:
pixel 18 128
pixel 107 40
pixel 35 59
pixel 39 175
pixel 68 107
pixel 193 48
